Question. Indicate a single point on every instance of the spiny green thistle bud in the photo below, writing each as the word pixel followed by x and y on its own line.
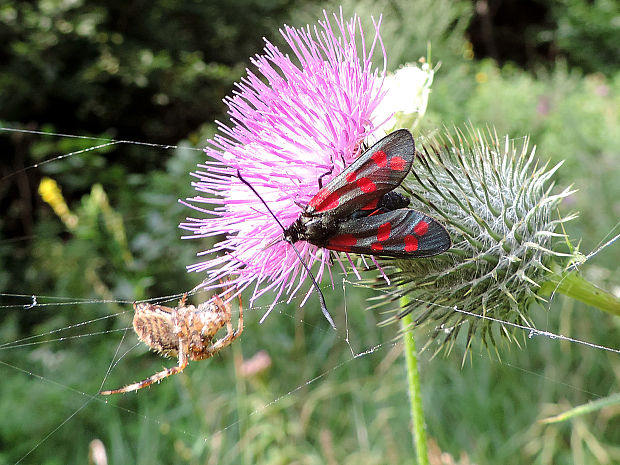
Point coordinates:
pixel 496 203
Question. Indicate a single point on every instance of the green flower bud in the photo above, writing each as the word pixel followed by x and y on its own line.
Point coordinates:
pixel 496 202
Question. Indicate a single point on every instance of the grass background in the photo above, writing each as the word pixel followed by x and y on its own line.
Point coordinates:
pixel 157 73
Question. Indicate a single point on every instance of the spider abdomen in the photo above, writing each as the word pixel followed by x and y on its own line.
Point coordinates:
pixel 155 327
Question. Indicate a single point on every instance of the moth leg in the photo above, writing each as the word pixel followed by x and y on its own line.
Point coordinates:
pixel 331 170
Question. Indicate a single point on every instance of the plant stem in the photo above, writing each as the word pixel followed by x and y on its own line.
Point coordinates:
pixel 574 285
pixel 415 394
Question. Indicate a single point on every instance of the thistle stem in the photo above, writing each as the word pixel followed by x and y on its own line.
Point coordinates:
pixel 415 394
pixel 574 285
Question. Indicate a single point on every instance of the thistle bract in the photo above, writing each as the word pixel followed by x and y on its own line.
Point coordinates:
pixel 497 205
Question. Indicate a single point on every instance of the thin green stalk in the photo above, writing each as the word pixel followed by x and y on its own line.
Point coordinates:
pixel 574 285
pixel 415 393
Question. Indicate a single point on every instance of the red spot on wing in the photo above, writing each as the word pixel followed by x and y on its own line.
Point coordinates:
pixel 380 158
pixel 319 197
pixel 350 177
pixel 376 247
pixel 421 228
pixel 324 200
pixel 383 233
pixel 344 242
pixel 398 163
pixel 366 185
pixel 411 243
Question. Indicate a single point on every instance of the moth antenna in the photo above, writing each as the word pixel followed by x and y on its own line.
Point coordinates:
pixel 314 283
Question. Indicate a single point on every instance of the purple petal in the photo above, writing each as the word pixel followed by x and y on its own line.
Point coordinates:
pixel 289 124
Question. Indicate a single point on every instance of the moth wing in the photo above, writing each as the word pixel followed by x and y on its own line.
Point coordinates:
pixel 378 170
pixel 402 233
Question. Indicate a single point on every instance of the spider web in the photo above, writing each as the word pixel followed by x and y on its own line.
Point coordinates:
pixel 350 363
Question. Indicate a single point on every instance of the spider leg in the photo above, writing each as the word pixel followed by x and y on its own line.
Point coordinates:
pixel 183 361
pixel 230 336
pixel 229 315
pixel 226 340
pixel 240 322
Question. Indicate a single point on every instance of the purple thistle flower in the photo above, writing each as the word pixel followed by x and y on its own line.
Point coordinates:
pixel 290 124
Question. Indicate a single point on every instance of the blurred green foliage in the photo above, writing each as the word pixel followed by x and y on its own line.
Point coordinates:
pixel 587 33
pixel 156 72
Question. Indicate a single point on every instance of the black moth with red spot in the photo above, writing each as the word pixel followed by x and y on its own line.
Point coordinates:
pixel 358 212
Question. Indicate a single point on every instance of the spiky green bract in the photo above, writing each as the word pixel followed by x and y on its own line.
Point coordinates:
pixel 496 202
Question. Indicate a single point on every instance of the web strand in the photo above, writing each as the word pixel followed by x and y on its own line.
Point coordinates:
pixel 30 302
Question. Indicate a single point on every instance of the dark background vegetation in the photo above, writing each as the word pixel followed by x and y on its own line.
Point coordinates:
pixel 157 72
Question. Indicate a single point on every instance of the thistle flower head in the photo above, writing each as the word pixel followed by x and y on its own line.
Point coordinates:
pixel 292 122
pixel 497 204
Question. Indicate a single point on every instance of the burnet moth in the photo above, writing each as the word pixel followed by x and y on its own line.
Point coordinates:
pixel 357 211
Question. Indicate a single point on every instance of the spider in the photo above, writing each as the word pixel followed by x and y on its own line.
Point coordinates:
pixel 186 332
